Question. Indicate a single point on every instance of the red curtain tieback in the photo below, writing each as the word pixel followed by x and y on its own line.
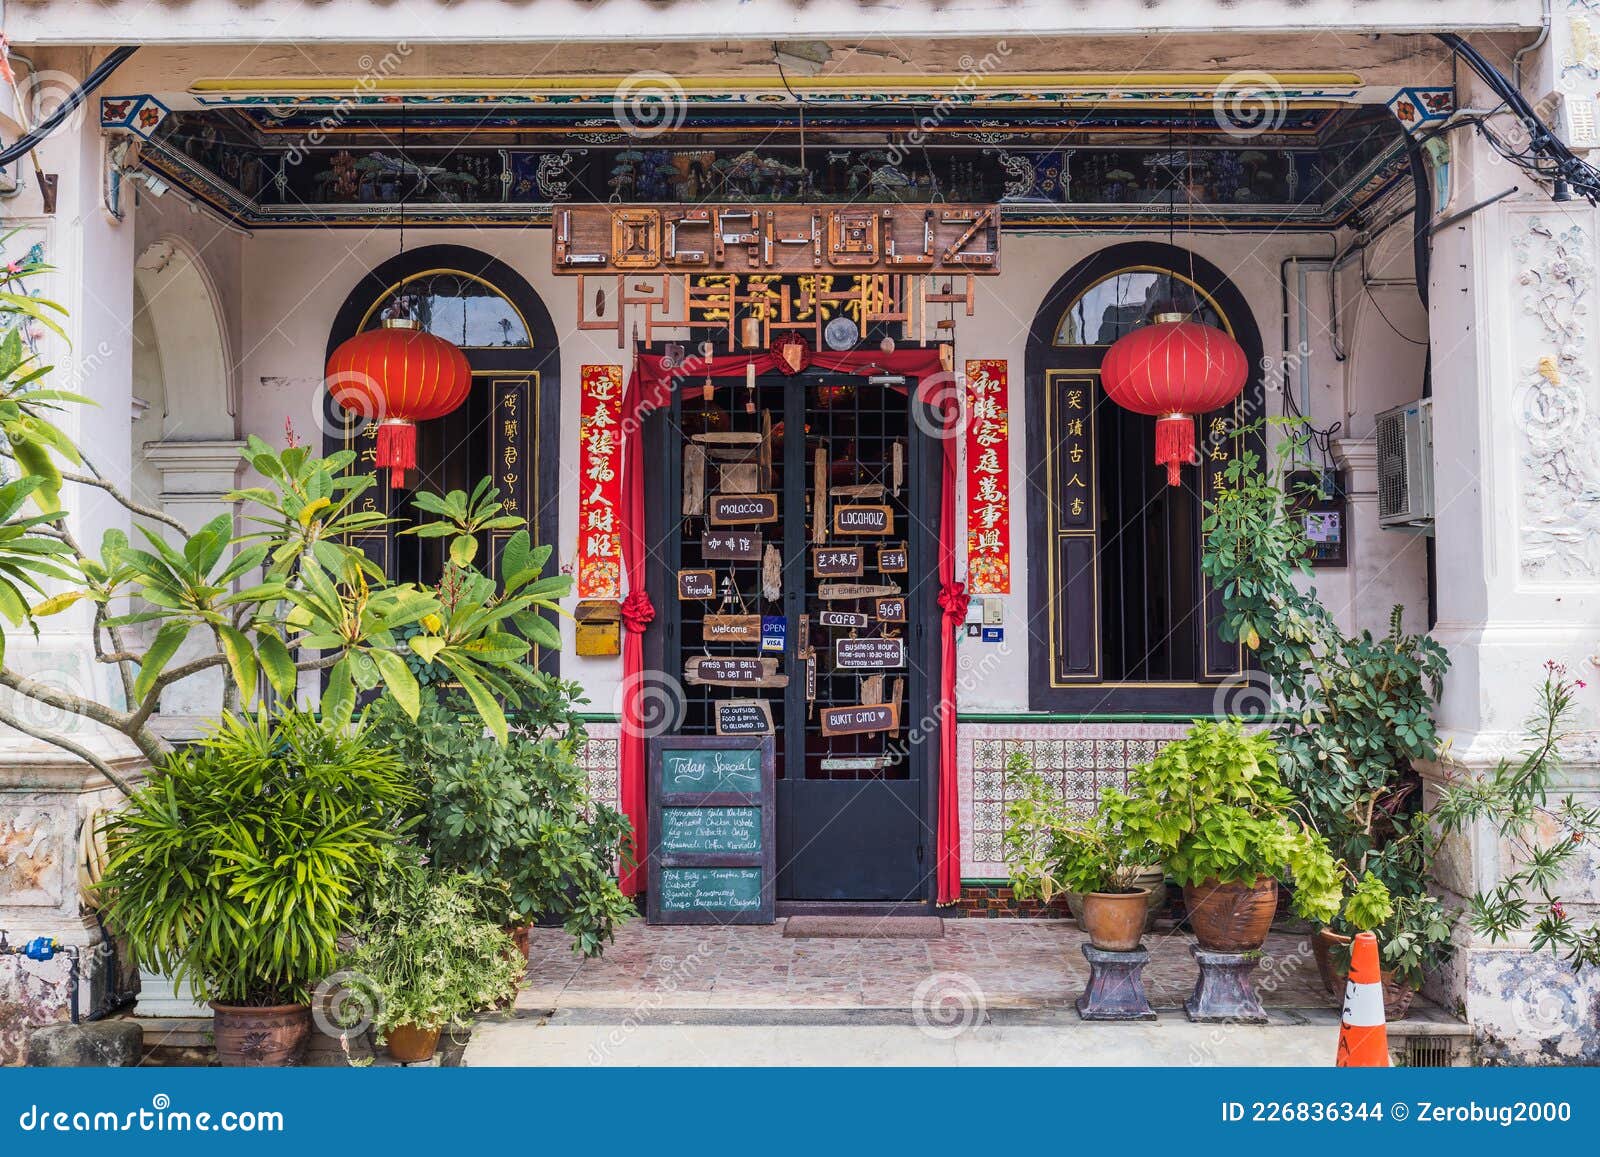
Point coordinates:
pixel 637 611
pixel 953 600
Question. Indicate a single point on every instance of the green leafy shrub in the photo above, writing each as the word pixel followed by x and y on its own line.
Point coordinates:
pixel 239 866
pixel 519 814
pixel 426 950
pixel 1052 849
pixel 1213 807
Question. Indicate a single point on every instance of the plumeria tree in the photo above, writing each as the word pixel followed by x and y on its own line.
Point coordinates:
pixel 284 596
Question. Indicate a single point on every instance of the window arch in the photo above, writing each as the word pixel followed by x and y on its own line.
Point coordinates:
pixel 458 306
pixel 1125 622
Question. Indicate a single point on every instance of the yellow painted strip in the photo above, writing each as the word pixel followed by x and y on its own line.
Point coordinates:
pixel 1025 81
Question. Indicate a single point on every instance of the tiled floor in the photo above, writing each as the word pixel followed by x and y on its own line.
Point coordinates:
pixel 1003 963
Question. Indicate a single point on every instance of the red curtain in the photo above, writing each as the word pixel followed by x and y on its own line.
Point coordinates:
pixel 650 388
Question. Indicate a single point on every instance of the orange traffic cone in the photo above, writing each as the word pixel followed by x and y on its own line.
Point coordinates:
pixel 1363 1035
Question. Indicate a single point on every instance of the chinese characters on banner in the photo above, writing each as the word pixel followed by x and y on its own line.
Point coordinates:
pixel 988 479
pixel 600 493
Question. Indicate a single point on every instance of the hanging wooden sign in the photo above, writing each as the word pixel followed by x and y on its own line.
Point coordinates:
pixel 800 238
pixel 733 545
pixel 988 479
pixel 739 509
pixel 892 559
pixel 697 584
pixel 843 619
pixel 837 561
pixel 731 628
pixel 830 591
pixel 811 675
pixel 868 654
pixel 743 717
pixel 719 671
pixel 861 719
pixel 819 496
pixel 891 610
pixel 738 477
pixel 863 520
pixel 694 480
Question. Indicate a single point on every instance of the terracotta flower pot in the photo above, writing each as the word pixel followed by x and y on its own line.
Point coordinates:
pixel 1231 917
pixel 410 1043
pixel 1397 995
pixel 1153 879
pixel 268 1036
pixel 1115 920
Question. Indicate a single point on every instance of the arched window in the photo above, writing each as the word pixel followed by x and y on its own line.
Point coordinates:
pixel 456 306
pixel 1124 621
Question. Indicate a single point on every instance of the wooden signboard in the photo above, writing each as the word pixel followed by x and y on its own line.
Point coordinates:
pixel 631 239
pixel 743 717
pixel 837 561
pixel 732 545
pixel 731 628
pixel 712 848
pixel 741 509
pixel 892 559
pixel 724 672
pixel 861 719
pixel 868 654
pixel 843 619
pixel 891 610
pixel 862 520
pixel 831 591
pixel 697 584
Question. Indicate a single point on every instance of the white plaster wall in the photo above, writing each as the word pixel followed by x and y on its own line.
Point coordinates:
pixel 295 281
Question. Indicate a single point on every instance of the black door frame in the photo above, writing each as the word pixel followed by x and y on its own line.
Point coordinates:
pixel 922 723
pixel 1043 357
pixel 544 360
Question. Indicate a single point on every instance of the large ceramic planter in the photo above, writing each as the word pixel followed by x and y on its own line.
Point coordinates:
pixel 410 1043
pixel 1231 917
pixel 1115 920
pixel 268 1036
pixel 1397 996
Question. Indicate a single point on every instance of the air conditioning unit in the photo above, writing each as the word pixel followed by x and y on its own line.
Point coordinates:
pixel 1405 465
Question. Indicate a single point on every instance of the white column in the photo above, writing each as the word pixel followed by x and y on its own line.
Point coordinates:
pixel 1517 481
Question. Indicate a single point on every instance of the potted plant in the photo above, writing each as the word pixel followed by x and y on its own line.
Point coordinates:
pixel 239 865
pixel 1413 938
pixel 519 815
pixel 429 956
pixel 1052 849
pixel 1227 828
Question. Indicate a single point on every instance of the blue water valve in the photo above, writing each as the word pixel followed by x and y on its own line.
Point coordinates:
pixel 42 948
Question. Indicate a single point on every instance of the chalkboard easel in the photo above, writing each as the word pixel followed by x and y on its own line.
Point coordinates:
pixel 712 851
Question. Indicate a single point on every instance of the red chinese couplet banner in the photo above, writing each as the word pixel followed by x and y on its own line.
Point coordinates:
pixel 988 479
pixel 600 494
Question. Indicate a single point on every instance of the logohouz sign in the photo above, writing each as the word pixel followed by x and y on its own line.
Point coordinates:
pixel 777 239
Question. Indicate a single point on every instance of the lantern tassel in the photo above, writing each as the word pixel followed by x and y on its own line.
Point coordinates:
pixel 397 450
pixel 1174 444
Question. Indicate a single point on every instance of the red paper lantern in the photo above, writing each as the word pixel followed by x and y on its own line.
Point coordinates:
pixel 400 375
pixel 1174 369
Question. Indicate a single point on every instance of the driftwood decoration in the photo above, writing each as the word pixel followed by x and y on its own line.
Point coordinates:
pixel 872 690
pixel 764 454
pixel 716 671
pixel 739 478
pixel 819 497
pixel 772 574
pixel 897 690
pixel 863 490
pixel 694 480
pixel 745 438
pixel 899 467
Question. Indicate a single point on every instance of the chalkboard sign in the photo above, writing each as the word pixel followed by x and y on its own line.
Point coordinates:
pixel 733 545
pixel 863 520
pixel 739 509
pixel 712 852
pixel 697 584
pixel 857 720
pixel 837 561
pixel 842 619
pixel 892 559
pixel 744 717
pixel 891 610
pixel 857 654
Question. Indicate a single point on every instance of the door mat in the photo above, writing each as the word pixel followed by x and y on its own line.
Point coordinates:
pixel 864 927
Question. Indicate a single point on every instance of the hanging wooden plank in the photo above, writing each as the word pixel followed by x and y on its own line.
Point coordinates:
pixel 739 478
pixel 897 690
pixel 899 467
pixel 745 438
pixel 694 480
pixel 742 509
pixel 863 520
pixel 731 545
pixel 764 455
pixel 872 690
pixel 866 717
pixel 819 496
pixel 838 561
pixel 731 629
pixel 829 591
pixel 863 490
pixel 772 574
pixel 719 671
pixel 743 717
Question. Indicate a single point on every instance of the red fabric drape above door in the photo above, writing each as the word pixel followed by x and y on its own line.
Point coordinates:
pixel 650 388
